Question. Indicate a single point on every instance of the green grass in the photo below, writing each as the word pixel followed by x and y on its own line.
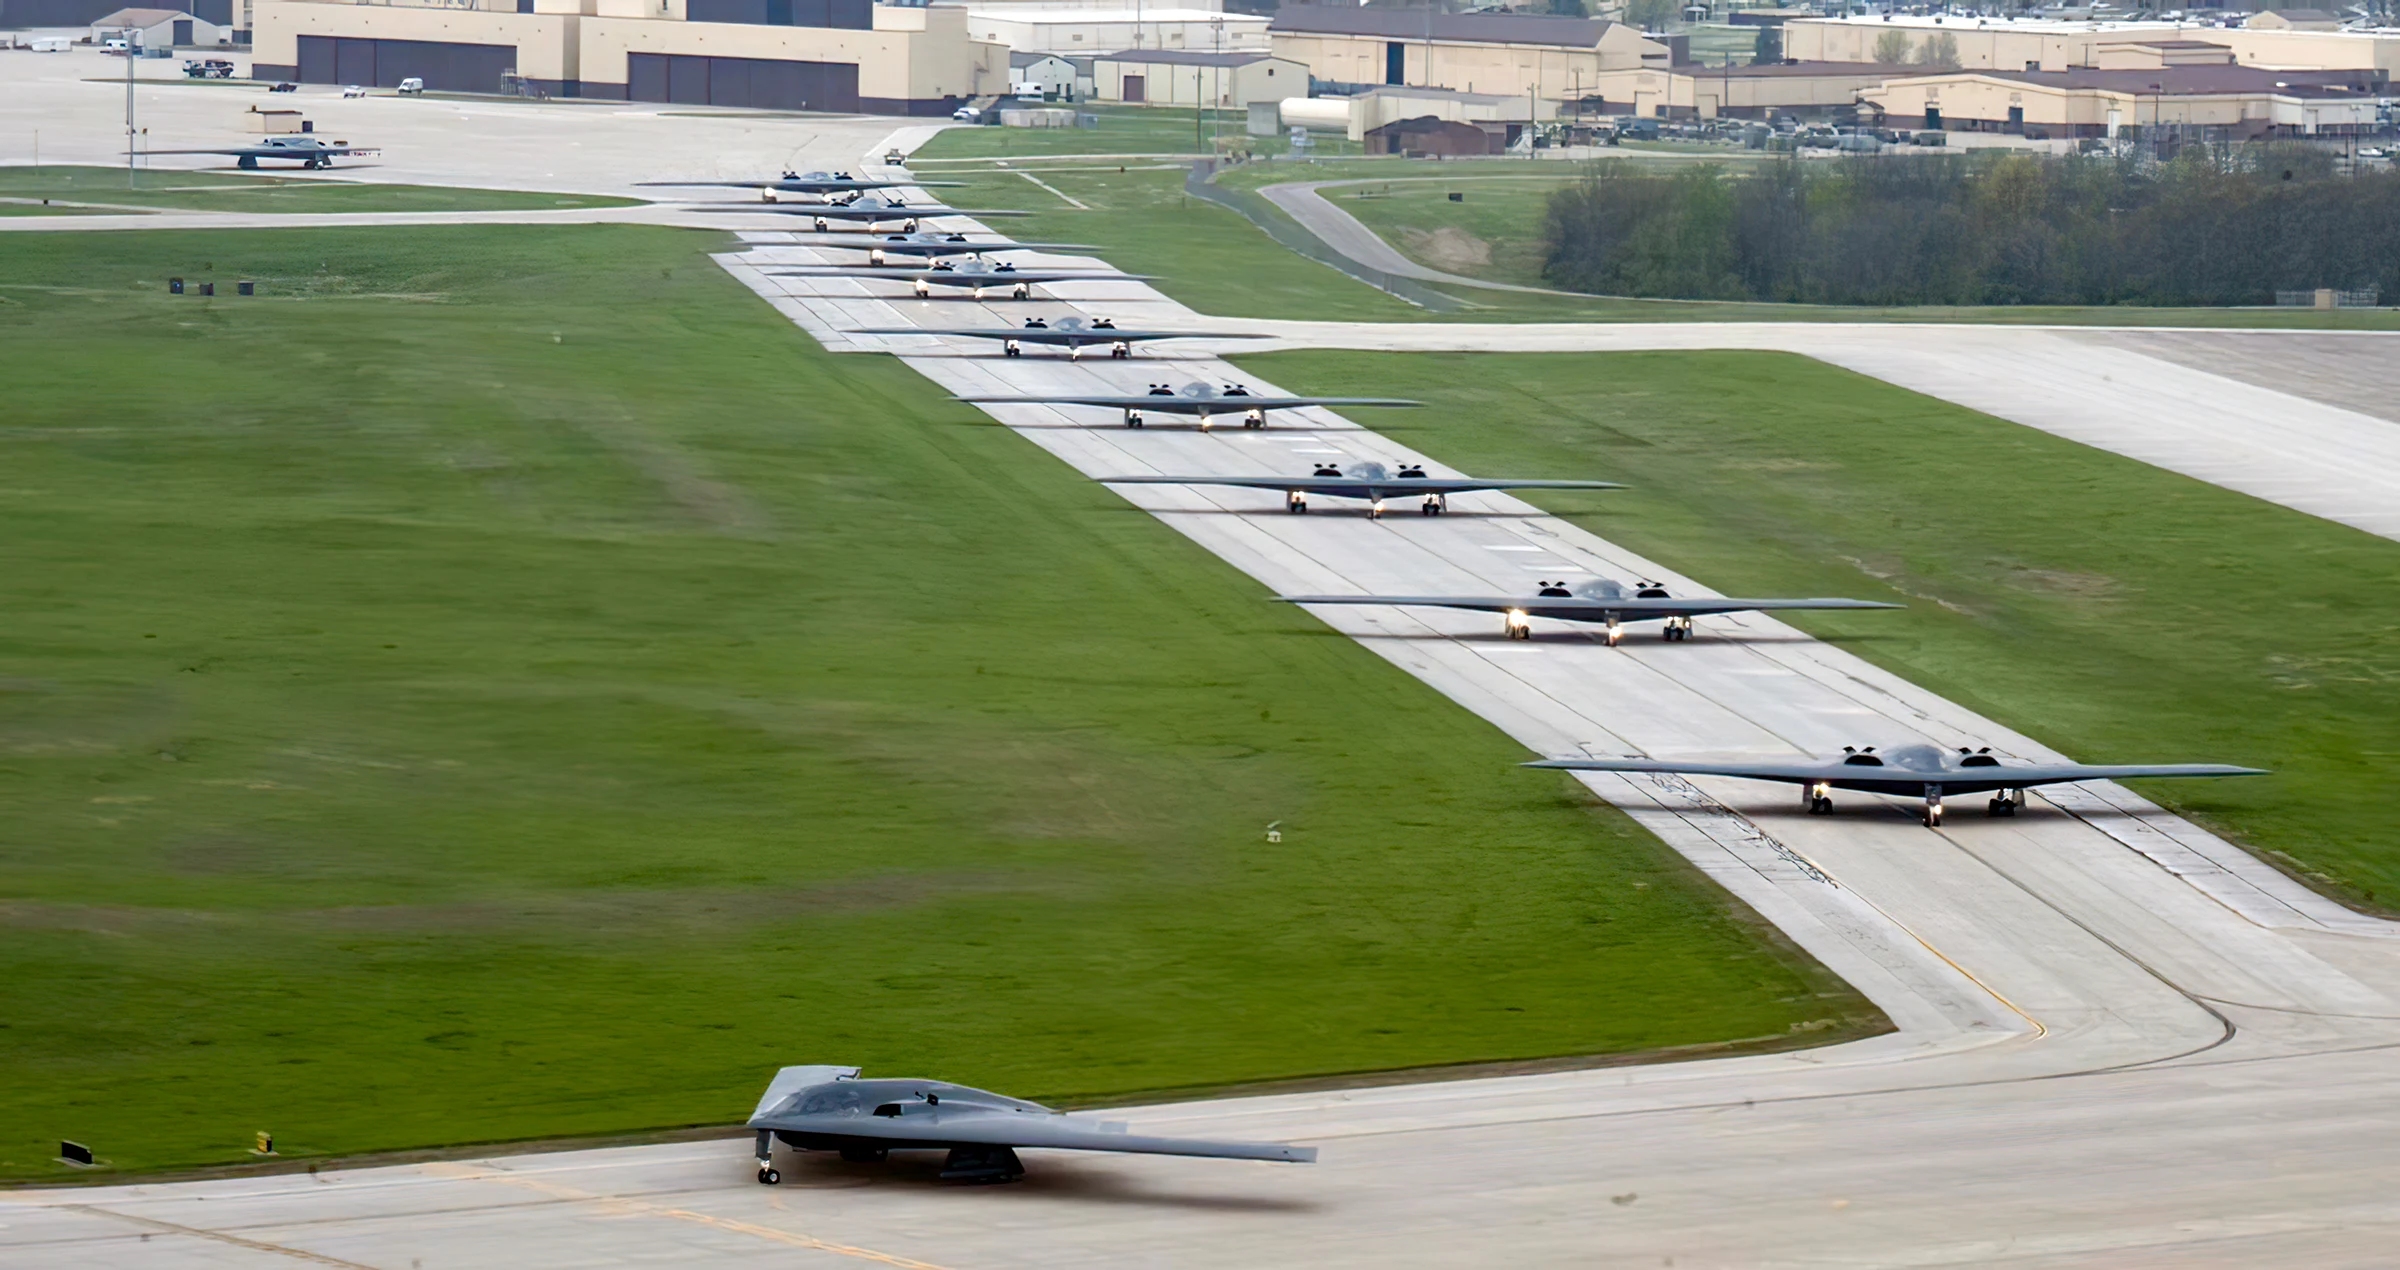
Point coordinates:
pixel 1204 255
pixel 1494 233
pixel 507 682
pixel 1121 130
pixel 225 192
pixel 2110 609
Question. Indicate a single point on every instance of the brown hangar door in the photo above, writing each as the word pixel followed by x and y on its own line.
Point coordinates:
pixel 1137 88
pixel 758 82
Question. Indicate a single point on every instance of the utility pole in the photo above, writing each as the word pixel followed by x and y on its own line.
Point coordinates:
pixel 129 133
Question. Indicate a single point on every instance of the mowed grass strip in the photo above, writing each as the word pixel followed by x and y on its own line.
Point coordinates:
pixel 271 192
pixel 507 682
pixel 2116 611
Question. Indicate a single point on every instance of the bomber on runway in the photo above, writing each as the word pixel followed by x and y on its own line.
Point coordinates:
pixel 1073 334
pixel 980 275
pixel 1372 482
pixel 1598 600
pixel 307 149
pixel 831 1109
pixel 1197 399
pixel 936 246
pixel 807 183
pixel 868 213
pixel 1926 771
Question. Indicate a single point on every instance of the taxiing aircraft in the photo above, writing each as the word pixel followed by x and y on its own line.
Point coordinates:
pixel 935 246
pixel 831 1109
pixel 1598 600
pixel 304 147
pixel 1069 333
pixel 866 213
pixel 1926 771
pixel 1370 481
pixel 807 183
pixel 976 274
pixel 1198 399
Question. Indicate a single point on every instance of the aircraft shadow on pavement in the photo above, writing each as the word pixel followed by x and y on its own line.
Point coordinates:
pixel 1047 1177
pixel 1339 513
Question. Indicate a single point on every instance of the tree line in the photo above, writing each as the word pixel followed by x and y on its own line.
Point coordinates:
pixel 2199 230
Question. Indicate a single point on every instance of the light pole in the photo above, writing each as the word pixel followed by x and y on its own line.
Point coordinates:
pixel 129 133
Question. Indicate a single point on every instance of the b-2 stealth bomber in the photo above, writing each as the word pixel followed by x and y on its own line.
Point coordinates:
pixel 936 246
pixel 978 275
pixel 1197 399
pixel 305 148
pixel 1908 771
pixel 808 183
pixel 1372 482
pixel 868 213
pixel 1604 600
pixel 831 1109
pixel 1073 334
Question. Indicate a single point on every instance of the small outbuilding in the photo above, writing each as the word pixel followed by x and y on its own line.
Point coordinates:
pixel 158 29
pixel 1166 77
pixel 1050 76
pixel 1432 137
pixel 2293 20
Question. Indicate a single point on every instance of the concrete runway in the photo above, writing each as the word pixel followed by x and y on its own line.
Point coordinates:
pixel 2122 1041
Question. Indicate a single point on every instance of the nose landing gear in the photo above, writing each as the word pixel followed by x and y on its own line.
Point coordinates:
pixel 1519 626
pixel 2005 803
pixel 1817 799
pixel 1435 505
pixel 1295 503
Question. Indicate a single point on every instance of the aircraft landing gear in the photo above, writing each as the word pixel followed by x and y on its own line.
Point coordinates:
pixel 1678 628
pixel 2005 803
pixel 767 1176
pixel 924 292
pixel 1933 807
pixel 1133 418
pixel 1254 419
pixel 820 224
pixel 1295 504
pixel 1817 800
pixel 1435 505
pixel 1375 510
pixel 982 1165
pixel 249 161
pixel 1010 348
pixel 1519 625
pixel 1021 293
pixel 1616 633
pixel 1120 350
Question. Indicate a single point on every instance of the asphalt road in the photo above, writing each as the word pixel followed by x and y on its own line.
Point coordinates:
pixel 2122 1042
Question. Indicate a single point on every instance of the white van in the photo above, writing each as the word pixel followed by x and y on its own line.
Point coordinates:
pixel 412 86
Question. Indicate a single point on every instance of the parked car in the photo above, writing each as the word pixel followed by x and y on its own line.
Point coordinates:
pixel 967 114
pixel 411 86
pixel 212 68
pixel 285 87
pixel 355 90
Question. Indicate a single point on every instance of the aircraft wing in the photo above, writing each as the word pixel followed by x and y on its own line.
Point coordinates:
pixel 1180 404
pixel 1798 771
pixel 1809 771
pixel 938 1127
pixel 1040 335
pixel 276 152
pixel 856 243
pixel 1350 487
pixel 831 184
pixel 839 211
pixel 1581 606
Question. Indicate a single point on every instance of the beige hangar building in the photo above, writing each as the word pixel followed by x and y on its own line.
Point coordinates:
pixel 2050 45
pixel 830 55
pixel 1500 54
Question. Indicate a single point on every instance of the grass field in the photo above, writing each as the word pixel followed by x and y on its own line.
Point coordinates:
pixel 1120 130
pixel 2111 609
pixel 513 684
pixel 226 192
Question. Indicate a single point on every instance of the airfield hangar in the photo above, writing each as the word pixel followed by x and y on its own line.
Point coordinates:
pixel 825 55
